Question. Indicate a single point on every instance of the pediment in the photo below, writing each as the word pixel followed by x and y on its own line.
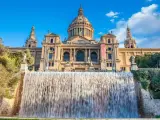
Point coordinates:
pixel 79 40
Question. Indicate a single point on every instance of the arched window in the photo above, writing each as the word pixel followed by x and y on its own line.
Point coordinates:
pixel 94 57
pixel 50 56
pixel 80 55
pixel 109 56
pixel 66 56
pixel 131 46
pixel 51 40
pixel 109 41
pixel 29 45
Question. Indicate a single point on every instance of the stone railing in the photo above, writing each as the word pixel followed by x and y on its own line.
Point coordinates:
pixel 149 68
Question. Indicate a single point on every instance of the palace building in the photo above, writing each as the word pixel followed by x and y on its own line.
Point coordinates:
pixel 80 52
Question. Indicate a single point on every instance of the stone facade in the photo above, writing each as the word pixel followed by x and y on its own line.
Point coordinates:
pixel 80 49
pixel 150 106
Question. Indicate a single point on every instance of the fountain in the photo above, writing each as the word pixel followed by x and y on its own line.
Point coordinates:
pixel 78 95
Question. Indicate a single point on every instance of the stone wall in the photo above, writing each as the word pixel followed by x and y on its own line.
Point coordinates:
pixel 6 107
pixel 150 106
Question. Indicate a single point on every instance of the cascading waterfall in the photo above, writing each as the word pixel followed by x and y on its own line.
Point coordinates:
pixel 79 95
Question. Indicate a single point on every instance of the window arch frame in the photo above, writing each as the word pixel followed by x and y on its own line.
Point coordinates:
pixel 92 59
pixel 68 57
pixel 83 56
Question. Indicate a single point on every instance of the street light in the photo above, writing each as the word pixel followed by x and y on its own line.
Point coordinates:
pixel 113 59
pixel 47 60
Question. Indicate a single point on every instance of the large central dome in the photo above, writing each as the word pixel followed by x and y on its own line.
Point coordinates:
pixel 81 26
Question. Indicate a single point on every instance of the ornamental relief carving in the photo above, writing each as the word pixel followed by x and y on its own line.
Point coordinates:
pixel 81 42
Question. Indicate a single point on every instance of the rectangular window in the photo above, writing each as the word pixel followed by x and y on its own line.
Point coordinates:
pixel 49 64
pixel 109 49
pixel 51 48
pixel 109 41
pixel 107 64
pixel 123 69
pixel 52 63
pixel 110 64
pixel 50 56
pixel 52 41
pixel 109 56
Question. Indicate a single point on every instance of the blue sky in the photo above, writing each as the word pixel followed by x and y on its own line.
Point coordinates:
pixel 18 16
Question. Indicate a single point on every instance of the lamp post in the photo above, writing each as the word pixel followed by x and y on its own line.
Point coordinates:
pixel 113 59
pixel 47 59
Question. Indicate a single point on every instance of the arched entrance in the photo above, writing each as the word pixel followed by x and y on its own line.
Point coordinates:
pixel 94 57
pixel 80 56
pixel 66 56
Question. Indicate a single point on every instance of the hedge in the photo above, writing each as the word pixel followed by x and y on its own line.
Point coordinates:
pixel 150 80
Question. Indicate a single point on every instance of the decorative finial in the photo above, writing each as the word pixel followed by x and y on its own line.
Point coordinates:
pixel 80 11
pixel 33 28
pixel 128 27
pixel 81 6
pixel 129 35
pixel 32 34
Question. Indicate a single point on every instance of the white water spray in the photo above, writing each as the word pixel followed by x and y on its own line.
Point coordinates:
pixel 79 95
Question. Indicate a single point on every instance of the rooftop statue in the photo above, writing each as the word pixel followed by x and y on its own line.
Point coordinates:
pixel 132 60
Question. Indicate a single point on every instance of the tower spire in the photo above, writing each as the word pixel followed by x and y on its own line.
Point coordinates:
pixel 129 42
pixel 80 11
pixel 32 34
pixel 129 35
pixel 31 41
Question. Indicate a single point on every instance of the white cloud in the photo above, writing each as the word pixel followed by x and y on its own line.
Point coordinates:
pixel 112 20
pixel 149 0
pixel 112 14
pixel 100 33
pixel 145 25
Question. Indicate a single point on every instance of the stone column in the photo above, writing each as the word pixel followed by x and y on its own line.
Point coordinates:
pixel 57 53
pixel 125 56
pixel 77 31
pixel 74 54
pixel 41 68
pixel 70 54
pixel 98 54
pixel 89 54
pixel 86 58
pixel 61 54
pixel 117 56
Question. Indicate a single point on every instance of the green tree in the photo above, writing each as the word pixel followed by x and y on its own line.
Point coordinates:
pixel 148 60
pixel 155 82
pixel 30 59
pixel 10 69
pixel 18 56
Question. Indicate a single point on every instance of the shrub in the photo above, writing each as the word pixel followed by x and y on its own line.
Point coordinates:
pixel 157 116
pixel 145 84
pixel 156 95
pixel 155 82
pixel 141 75
pixel 150 80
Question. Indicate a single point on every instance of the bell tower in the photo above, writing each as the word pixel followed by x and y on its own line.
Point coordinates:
pixel 129 42
pixel 31 42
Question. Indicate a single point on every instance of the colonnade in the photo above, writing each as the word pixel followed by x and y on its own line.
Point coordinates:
pixel 80 32
pixel 73 52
